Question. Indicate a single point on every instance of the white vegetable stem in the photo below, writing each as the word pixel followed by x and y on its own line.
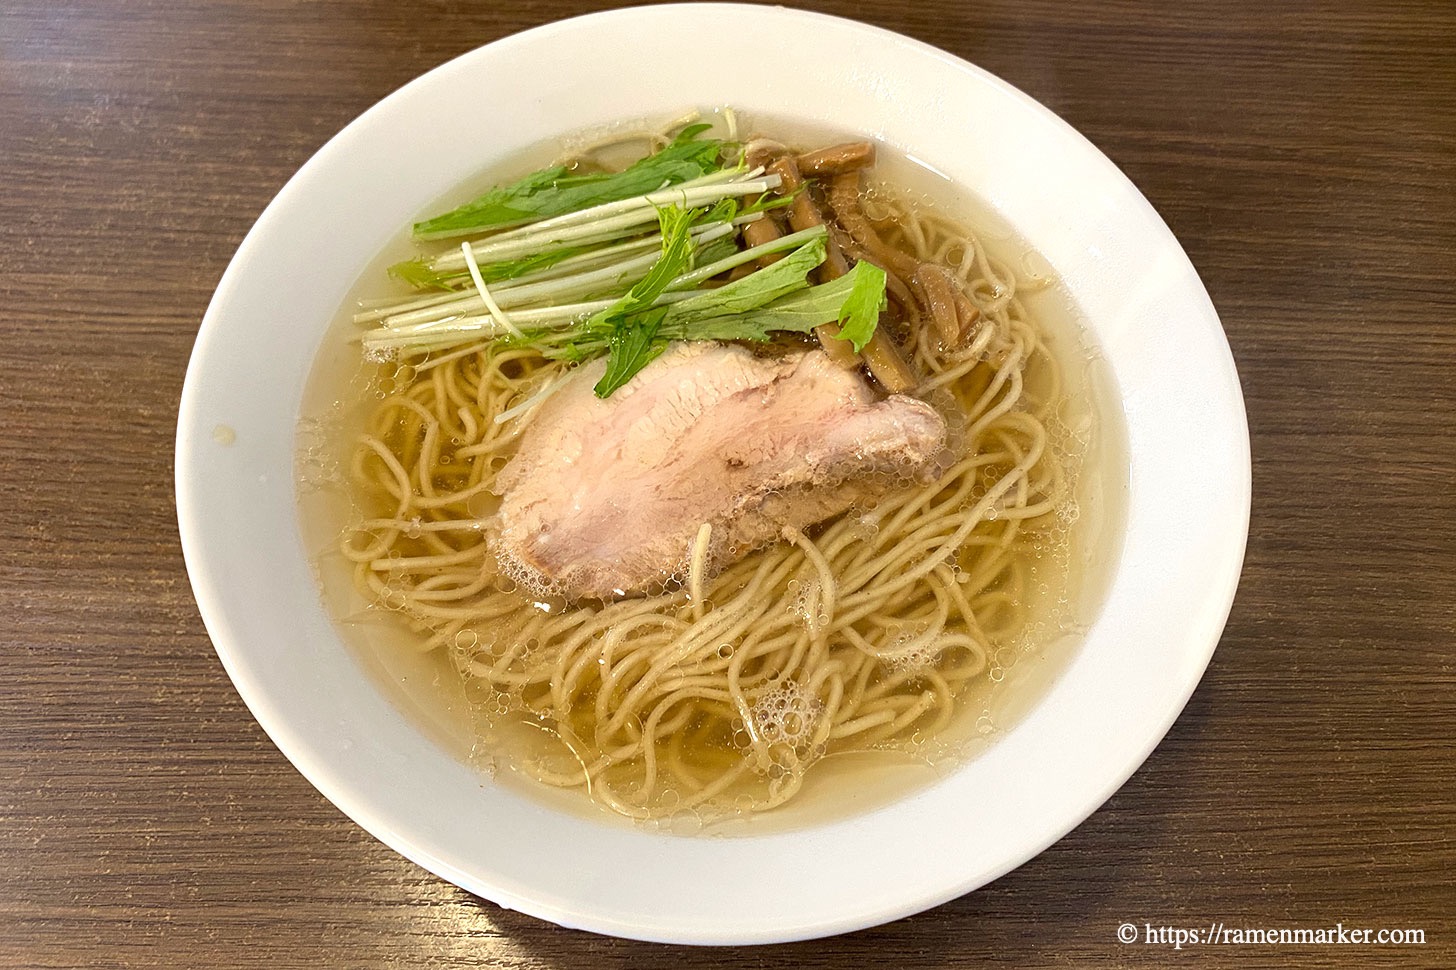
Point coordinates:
pixel 528 290
pixel 667 195
pixel 792 241
pixel 496 313
pixel 438 334
pixel 603 222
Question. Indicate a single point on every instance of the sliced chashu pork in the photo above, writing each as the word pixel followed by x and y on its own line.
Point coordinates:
pixel 605 497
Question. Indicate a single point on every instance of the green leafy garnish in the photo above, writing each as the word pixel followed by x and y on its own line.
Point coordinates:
pixel 724 210
pixel 420 274
pixel 799 312
pixel 552 192
pixel 630 324
pixel 589 277
pixel 638 335
pixel 767 202
pixel 774 299
pixel 630 348
pixel 786 276
pixel 720 248
pixel 674 223
pixel 860 312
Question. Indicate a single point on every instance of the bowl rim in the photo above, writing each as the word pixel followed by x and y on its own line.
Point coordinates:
pixel 197 509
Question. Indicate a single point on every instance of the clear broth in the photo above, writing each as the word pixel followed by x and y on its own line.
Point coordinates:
pixel 430 691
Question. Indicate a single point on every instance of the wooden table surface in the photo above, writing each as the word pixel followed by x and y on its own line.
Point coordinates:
pixel 1304 153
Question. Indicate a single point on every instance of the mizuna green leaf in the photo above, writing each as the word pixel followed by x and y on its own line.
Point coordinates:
pixel 859 314
pixel 552 192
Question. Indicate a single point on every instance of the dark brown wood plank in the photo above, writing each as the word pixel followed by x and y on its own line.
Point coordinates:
pixel 1304 153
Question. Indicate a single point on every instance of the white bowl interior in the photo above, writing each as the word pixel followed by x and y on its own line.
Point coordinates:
pixel 1188 476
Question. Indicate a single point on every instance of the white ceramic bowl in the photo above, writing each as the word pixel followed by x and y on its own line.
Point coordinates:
pixel 1188 476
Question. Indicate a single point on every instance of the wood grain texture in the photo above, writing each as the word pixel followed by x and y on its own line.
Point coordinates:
pixel 1304 153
